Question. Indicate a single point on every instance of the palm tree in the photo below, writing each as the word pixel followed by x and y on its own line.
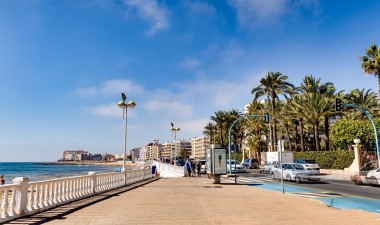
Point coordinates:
pixel 311 84
pixel 254 128
pixel 273 85
pixel 371 62
pixel 220 118
pixel 314 107
pixel 365 99
pixel 210 131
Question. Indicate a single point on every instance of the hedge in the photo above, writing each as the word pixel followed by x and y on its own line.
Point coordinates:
pixel 328 159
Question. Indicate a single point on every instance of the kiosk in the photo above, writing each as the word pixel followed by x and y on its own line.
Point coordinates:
pixel 216 163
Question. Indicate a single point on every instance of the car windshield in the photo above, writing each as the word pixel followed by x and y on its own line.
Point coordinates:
pixel 298 167
pixel 310 161
pixel 232 162
pixel 203 162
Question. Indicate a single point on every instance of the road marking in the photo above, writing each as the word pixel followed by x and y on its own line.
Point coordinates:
pixel 246 179
pixel 317 194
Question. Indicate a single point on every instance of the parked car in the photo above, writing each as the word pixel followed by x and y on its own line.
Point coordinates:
pixel 308 164
pixel 251 163
pixel 239 168
pixel 368 174
pixel 266 168
pixel 296 172
pixel 180 162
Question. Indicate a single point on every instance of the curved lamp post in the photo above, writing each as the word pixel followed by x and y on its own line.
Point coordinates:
pixel 125 106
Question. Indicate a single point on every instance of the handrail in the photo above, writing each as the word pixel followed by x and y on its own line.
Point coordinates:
pixel 26 198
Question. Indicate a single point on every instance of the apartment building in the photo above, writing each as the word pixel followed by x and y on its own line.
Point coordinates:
pixel 74 155
pixel 199 145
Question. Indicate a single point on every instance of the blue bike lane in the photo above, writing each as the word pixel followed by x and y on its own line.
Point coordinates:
pixel 331 199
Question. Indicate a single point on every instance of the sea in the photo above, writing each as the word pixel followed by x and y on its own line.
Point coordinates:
pixel 43 171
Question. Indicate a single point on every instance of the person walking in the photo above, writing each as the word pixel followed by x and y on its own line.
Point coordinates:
pixel 193 168
pixel 199 168
pixel 188 167
pixel 2 180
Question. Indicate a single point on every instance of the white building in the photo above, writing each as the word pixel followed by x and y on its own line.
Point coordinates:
pixel 199 145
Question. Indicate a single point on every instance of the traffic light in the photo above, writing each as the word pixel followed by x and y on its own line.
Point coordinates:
pixel 338 105
pixel 266 117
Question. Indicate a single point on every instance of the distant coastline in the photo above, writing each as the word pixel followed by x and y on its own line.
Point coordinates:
pixel 87 162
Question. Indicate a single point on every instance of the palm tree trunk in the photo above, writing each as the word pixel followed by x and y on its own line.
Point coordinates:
pixel 301 136
pixel 288 138
pixel 271 138
pixel 327 133
pixel 378 82
pixel 295 135
pixel 316 137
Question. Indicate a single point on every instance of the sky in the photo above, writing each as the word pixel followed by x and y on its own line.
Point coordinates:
pixel 64 63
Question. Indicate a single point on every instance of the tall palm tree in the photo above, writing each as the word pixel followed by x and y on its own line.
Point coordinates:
pixel 220 119
pixel 273 85
pixel 311 84
pixel 210 131
pixel 314 107
pixel 371 62
pixel 254 128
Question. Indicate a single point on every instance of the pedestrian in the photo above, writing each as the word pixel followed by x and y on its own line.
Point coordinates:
pixel 193 168
pixel 2 180
pixel 188 167
pixel 199 168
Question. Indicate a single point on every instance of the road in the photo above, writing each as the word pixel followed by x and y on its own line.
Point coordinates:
pixel 328 185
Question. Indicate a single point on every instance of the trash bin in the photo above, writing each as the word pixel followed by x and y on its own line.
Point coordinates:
pixel 154 169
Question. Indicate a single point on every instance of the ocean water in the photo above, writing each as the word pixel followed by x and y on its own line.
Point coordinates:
pixel 38 172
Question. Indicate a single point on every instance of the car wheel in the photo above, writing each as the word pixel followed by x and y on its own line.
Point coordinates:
pixel 374 180
pixel 273 176
pixel 358 181
pixel 298 180
pixel 288 178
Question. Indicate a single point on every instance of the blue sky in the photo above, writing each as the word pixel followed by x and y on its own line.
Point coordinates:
pixel 64 63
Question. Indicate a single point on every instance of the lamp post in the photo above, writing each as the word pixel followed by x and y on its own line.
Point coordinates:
pixel 125 106
pixel 174 132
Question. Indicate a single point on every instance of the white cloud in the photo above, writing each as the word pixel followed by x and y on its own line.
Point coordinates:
pixel 254 14
pixel 172 108
pixel 190 63
pixel 108 110
pixel 111 87
pixel 151 12
pixel 196 8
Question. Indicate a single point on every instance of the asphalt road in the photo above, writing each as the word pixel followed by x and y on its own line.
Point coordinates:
pixel 336 186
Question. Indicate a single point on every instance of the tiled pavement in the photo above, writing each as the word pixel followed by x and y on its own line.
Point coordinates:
pixel 191 200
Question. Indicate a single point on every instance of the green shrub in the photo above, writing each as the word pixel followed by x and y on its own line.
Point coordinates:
pixel 328 159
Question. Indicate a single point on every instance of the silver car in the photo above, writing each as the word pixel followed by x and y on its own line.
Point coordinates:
pixel 296 172
pixel 239 168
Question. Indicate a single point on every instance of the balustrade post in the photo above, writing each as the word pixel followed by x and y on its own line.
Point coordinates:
pixel 93 181
pixel 21 194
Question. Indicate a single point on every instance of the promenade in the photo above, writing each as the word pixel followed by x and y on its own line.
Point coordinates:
pixel 197 201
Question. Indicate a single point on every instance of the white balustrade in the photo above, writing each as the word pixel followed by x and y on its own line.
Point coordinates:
pixel 26 198
pixel 167 170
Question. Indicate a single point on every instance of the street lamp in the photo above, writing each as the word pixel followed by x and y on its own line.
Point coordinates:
pixel 125 106
pixel 174 131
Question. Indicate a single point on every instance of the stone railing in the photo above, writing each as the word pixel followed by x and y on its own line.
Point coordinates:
pixel 26 198
pixel 167 170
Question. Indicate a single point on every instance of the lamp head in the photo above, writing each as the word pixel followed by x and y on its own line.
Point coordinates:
pixel 357 141
pixel 131 104
pixel 122 104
